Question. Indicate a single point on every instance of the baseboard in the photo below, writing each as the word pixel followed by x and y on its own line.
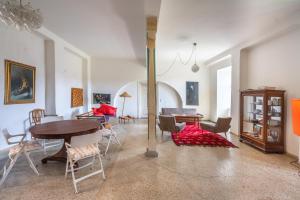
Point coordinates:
pixel 292 155
pixel 3 153
pixel 233 133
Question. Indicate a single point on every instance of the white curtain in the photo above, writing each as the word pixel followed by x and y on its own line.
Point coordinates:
pixel 224 92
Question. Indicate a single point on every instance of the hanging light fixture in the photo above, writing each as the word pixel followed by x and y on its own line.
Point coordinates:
pixel 195 67
pixel 21 16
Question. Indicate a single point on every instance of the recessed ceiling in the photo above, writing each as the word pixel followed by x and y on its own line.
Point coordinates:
pixel 116 28
pixel 103 28
pixel 216 25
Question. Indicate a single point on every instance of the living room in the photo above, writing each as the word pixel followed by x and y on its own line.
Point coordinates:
pixel 210 60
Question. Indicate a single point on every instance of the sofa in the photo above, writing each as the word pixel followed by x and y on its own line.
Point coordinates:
pixel 186 111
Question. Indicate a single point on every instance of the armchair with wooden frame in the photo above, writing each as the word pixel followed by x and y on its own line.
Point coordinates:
pixel 168 123
pixel 221 126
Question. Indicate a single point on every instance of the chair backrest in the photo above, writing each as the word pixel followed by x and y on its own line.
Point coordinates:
pixel 35 116
pixel 6 135
pixel 51 119
pixel 167 123
pixel 83 140
pixel 223 124
pixel 170 111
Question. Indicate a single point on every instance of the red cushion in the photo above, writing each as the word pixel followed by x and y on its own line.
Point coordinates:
pixel 96 112
pixel 107 109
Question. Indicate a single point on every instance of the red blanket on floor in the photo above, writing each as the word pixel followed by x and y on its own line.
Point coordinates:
pixel 193 135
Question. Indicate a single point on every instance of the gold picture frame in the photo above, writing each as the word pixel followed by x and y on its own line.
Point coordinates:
pixel 76 97
pixel 19 83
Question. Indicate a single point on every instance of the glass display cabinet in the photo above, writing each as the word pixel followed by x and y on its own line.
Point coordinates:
pixel 262 119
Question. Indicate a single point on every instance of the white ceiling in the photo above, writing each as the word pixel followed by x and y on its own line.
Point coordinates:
pixel 116 28
pixel 216 25
pixel 104 28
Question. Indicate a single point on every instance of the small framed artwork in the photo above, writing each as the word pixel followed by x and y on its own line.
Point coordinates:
pixel 99 98
pixel 76 97
pixel 19 83
pixel 192 93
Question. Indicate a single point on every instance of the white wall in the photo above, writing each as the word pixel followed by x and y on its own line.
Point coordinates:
pixel 26 48
pixel 132 103
pixel 167 97
pixel 277 63
pixel 70 67
pixel 64 65
pixel 276 52
pixel 177 78
pixel 68 75
pixel 110 75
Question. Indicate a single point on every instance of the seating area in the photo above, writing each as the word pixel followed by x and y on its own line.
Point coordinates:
pixel 149 99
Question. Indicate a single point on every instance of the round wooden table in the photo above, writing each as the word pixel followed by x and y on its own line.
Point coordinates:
pixel 65 130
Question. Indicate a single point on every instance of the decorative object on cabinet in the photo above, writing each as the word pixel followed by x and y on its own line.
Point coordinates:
pixel 76 97
pixel 19 83
pixel 262 119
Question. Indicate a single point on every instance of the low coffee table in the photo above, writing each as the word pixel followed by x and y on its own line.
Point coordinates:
pixel 188 118
pixel 65 130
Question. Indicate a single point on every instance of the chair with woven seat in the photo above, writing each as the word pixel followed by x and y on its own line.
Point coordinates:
pixel 168 123
pixel 81 148
pixel 21 147
pixel 108 131
pixel 221 126
pixel 50 143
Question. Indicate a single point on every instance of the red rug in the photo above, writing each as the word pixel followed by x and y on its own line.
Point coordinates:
pixel 193 135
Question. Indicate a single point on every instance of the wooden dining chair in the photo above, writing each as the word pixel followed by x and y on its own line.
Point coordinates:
pixel 35 116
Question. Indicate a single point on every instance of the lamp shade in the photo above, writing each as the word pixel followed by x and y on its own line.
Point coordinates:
pixel 296 115
pixel 125 94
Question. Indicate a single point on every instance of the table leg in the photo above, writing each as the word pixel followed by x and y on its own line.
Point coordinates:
pixel 60 156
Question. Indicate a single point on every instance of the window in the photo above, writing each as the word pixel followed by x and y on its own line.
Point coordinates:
pixel 224 92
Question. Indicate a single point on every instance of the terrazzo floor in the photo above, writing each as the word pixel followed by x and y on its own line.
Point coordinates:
pixel 178 173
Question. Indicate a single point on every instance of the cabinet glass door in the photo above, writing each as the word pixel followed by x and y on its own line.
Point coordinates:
pixel 253 122
pixel 274 119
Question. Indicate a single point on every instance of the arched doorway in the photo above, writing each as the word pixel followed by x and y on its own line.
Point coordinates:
pixel 167 96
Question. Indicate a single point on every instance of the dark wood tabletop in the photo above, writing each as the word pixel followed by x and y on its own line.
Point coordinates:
pixel 65 130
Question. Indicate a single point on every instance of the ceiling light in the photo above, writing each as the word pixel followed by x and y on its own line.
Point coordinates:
pixel 195 68
pixel 21 16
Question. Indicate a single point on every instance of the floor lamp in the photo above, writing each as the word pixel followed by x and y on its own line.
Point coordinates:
pixel 296 120
pixel 124 95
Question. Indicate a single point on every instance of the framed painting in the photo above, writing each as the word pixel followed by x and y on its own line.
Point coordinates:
pixel 192 93
pixel 99 98
pixel 76 97
pixel 19 83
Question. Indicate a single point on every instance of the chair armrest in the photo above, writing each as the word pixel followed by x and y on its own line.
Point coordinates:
pixel 208 127
pixel 23 135
pixel 68 145
pixel 18 135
